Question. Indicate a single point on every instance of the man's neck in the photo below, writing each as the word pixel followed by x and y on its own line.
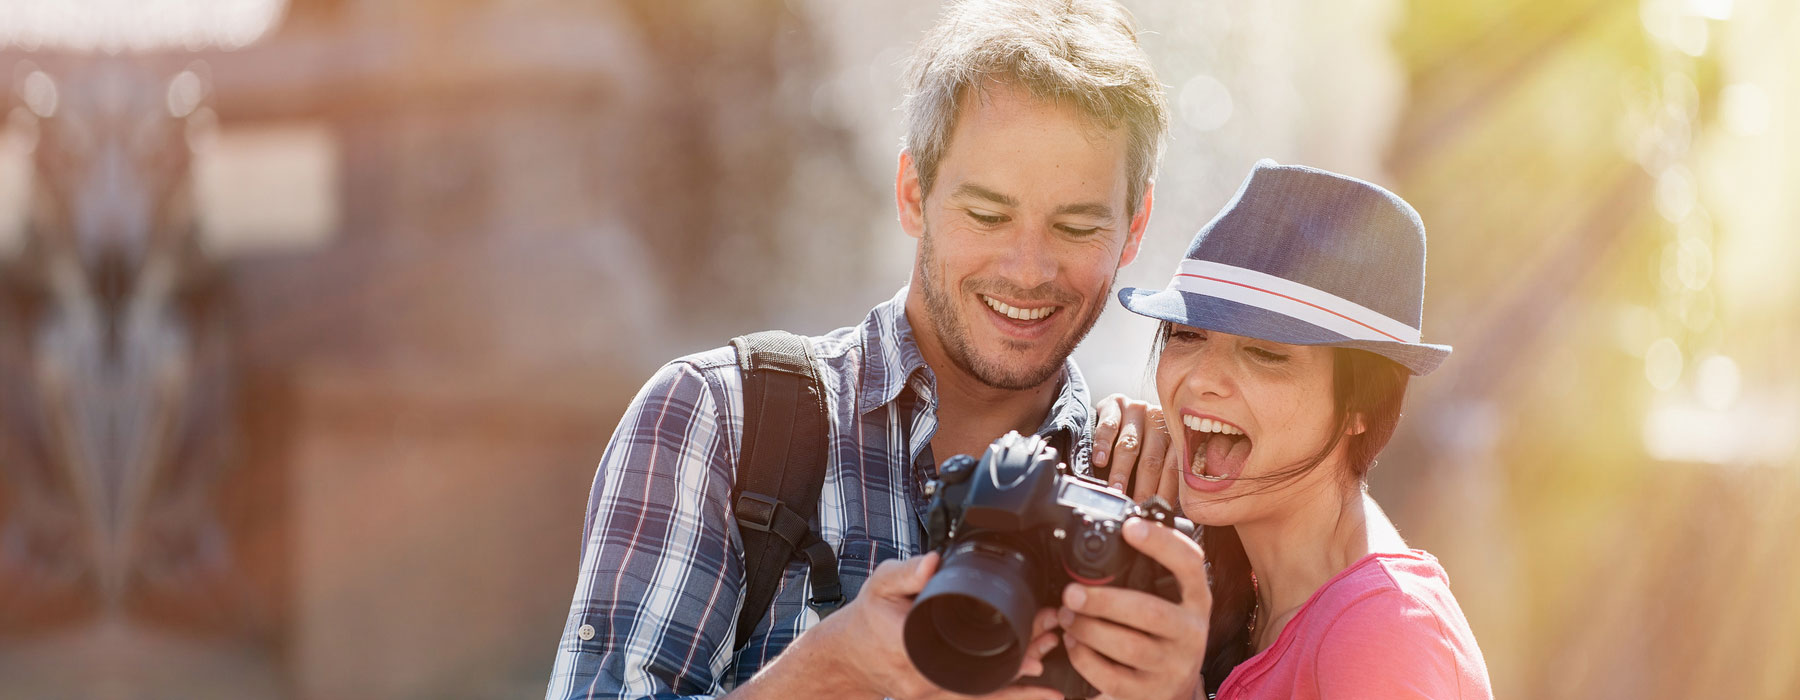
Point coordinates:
pixel 970 413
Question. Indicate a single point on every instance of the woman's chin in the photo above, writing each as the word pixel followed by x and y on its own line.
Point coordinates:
pixel 1206 509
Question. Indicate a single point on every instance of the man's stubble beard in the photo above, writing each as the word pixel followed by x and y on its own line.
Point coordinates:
pixel 953 334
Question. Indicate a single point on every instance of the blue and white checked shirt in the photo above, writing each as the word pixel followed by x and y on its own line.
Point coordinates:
pixel 662 573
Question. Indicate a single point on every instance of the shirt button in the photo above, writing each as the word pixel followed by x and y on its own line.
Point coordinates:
pixel 585 633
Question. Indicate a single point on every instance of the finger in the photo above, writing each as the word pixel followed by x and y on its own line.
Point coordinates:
pixel 1043 639
pixel 1149 472
pixel 1040 646
pixel 1178 553
pixel 1105 674
pixel 1106 427
pixel 1138 610
pixel 1131 441
pixel 1045 621
pixel 1127 647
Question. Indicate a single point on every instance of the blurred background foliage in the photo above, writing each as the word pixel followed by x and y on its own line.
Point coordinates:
pixel 424 252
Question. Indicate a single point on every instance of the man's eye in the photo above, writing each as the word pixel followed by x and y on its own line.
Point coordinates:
pixel 986 218
pixel 1186 335
pixel 1079 231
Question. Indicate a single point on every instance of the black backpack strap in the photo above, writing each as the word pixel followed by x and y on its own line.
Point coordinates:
pixel 781 474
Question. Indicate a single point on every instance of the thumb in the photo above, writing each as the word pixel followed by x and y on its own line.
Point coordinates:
pixel 903 578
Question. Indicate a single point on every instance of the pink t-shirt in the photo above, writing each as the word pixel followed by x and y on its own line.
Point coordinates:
pixel 1387 627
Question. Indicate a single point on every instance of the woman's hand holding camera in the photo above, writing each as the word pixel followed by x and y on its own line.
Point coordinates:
pixel 1132 644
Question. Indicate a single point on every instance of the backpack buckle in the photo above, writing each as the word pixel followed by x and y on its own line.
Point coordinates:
pixel 756 511
pixel 826 607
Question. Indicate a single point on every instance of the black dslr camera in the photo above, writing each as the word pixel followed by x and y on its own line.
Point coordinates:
pixel 1013 530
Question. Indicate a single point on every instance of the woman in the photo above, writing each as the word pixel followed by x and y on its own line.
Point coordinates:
pixel 1288 334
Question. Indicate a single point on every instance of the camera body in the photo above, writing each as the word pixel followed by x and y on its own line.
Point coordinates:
pixel 1013 529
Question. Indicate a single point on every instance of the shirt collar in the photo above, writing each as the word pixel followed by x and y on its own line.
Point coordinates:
pixel 890 354
pixel 1069 413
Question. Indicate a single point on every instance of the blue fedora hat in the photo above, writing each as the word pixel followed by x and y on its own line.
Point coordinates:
pixel 1303 256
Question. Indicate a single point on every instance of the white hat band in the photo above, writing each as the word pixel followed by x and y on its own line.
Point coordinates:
pixel 1291 299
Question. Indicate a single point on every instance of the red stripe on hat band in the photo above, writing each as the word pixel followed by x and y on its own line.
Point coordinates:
pixel 1289 298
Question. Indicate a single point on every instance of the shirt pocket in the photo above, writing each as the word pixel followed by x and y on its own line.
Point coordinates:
pixel 857 557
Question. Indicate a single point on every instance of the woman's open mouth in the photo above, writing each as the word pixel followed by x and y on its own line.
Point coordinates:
pixel 1217 451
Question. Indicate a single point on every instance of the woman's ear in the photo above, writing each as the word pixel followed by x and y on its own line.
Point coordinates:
pixel 1358 425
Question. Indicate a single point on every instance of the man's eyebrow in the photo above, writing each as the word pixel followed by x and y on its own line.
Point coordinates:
pixel 1093 209
pixel 969 189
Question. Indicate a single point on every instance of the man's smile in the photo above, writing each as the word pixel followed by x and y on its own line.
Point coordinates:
pixel 1022 321
pixel 1019 313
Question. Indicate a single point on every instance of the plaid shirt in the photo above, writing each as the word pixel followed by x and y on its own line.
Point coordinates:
pixel 662 575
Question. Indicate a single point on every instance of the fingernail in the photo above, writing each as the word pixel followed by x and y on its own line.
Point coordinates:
pixel 1074 596
pixel 1135 529
pixel 1100 458
pixel 1118 486
pixel 1066 617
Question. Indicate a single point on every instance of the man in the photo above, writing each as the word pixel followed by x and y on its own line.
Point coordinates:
pixel 1032 134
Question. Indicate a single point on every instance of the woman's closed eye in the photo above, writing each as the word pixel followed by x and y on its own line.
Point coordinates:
pixel 1265 355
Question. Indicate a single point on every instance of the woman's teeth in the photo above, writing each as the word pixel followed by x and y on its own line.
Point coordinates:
pixel 1015 312
pixel 1208 425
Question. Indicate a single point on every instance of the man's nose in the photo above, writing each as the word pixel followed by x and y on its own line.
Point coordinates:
pixel 1030 260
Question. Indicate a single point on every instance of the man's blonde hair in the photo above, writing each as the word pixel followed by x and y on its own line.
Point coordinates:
pixel 1078 52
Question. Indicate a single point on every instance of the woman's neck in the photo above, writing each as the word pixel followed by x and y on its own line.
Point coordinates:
pixel 1294 552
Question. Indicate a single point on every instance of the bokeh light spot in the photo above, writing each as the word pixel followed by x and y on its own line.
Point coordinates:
pixel 1662 364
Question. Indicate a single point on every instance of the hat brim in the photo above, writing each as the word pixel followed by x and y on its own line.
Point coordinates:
pixel 1225 316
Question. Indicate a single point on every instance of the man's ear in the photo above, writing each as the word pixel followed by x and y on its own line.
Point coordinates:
pixel 909 196
pixel 1134 234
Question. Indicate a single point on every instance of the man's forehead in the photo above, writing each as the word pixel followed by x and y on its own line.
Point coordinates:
pixel 997 99
pixel 1013 148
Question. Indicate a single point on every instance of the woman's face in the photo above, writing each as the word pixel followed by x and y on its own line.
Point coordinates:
pixel 1241 408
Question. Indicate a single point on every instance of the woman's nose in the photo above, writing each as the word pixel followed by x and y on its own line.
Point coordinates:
pixel 1210 373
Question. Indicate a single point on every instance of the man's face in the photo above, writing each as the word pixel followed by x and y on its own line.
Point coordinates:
pixel 1021 236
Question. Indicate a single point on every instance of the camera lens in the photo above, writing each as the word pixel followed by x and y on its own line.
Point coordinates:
pixel 967 630
pixel 975 628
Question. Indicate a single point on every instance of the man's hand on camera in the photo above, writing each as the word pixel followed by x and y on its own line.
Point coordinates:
pixel 1131 442
pixel 1132 644
pixel 863 644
